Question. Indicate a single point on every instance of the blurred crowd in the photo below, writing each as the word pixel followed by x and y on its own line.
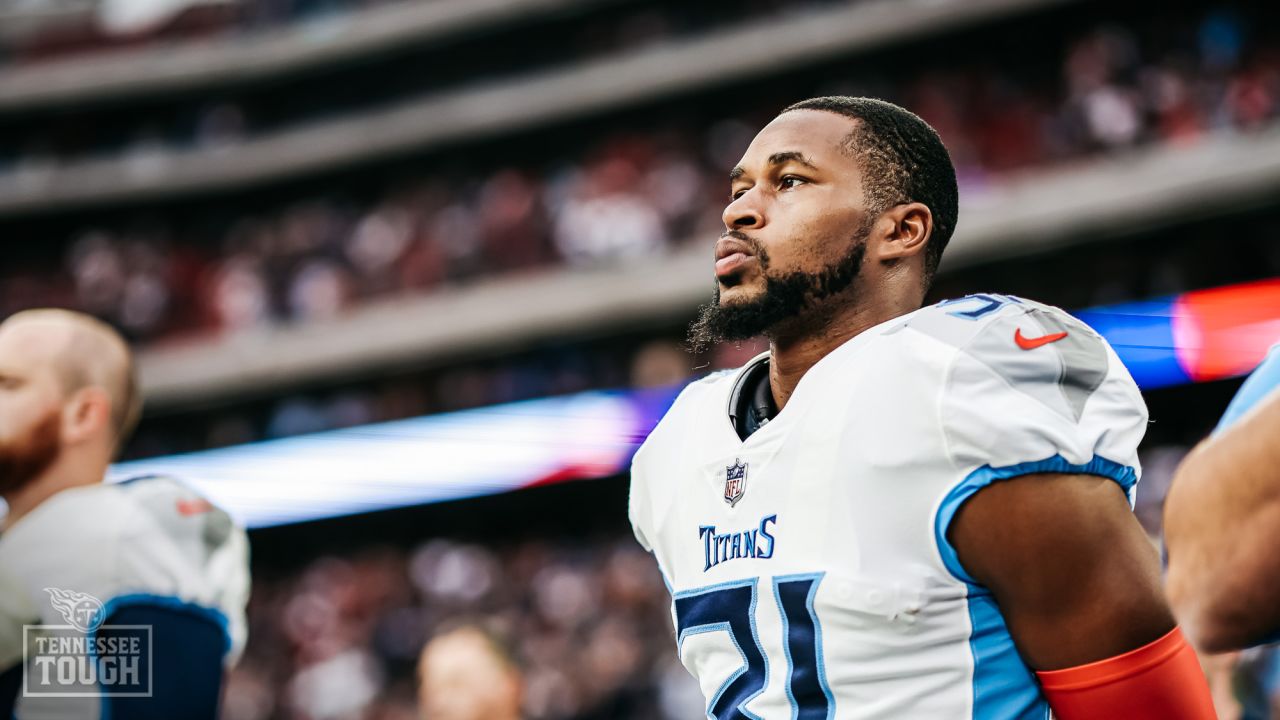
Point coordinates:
pixel 587 622
pixel 629 195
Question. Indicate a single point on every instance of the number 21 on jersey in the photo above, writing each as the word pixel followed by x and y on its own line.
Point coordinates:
pixel 731 608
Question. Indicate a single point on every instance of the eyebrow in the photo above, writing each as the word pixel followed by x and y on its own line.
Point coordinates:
pixel 777 158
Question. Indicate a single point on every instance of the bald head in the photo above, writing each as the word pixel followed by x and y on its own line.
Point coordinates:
pixel 83 352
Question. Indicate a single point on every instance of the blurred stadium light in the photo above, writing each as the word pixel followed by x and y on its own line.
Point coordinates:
pixel 409 462
pixel 1196 336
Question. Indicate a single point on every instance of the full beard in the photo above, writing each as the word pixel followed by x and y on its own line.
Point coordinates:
pixel 789 300
pixel 27 458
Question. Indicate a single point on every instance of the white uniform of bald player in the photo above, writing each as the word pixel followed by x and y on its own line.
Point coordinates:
pixel 809 563
pixel 154 552
pixel 122 601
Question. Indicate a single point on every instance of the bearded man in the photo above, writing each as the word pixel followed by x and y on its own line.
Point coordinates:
pixel 897 512
pixel 116 600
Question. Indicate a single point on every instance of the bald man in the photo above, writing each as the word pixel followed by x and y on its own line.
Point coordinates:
pixel 116 600
pixel 465 674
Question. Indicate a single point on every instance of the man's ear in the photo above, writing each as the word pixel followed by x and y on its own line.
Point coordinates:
pixel 904 231
pixel 86 414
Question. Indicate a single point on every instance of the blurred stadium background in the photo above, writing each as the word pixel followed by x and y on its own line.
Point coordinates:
pixel 396 221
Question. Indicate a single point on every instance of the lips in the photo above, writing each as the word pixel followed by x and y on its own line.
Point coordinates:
pixel 727 265
pixel 731 254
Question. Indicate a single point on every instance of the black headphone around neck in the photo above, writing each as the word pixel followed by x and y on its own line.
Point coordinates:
pixel 751 404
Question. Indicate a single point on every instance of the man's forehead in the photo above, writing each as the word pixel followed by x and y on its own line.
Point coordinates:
pixel 26 343
pixel 812 133
pixel 48 330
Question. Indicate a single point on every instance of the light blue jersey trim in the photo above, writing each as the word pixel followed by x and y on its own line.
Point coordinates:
pixel 671 589
pixel 1260 386
pixel 1003 686
pixel 1126 476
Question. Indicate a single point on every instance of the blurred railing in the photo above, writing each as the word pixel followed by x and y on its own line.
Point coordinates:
pixel 486 110
pixel 238 59
pixel 1119 195
pixel 23 18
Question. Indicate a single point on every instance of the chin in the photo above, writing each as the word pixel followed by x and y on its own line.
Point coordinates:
pixel 738 293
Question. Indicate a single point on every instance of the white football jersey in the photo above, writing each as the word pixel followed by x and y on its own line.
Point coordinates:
pixel 148 540
pixel 809 565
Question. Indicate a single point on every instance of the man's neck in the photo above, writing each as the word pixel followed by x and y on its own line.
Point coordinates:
pixel 791 355
pixel 25 500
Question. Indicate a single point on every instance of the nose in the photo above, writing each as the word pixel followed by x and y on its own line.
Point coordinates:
pixel 743 213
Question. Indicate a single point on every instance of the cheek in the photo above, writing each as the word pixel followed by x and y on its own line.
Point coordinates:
pixel 19 416
pixel 812 240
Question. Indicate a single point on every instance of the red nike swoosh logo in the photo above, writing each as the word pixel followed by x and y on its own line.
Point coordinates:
pixel 188 508
pixel 1027 343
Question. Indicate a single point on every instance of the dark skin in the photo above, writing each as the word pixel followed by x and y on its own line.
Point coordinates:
pixel 1073 572
pixel 798 192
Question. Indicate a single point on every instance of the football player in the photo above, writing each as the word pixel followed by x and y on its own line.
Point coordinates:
pixel 899 512
pixel 143 584
pixel 1222 523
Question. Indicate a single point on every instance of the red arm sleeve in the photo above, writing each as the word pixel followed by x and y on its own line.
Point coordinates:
pixel 1158 681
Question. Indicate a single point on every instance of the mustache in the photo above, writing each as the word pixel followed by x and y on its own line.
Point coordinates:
pixel 740 236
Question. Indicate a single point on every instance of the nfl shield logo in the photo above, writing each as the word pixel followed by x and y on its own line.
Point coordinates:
pixel 735 482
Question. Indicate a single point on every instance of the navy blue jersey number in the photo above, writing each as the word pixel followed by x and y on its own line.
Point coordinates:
pixel 731 608
pixel 977 306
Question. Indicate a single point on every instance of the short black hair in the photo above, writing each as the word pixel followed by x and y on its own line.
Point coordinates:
pixel 903 160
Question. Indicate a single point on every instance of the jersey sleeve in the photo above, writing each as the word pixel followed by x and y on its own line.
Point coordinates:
pixel 638 504
pixel 1034 390
pixel 182 552
pixel 651 495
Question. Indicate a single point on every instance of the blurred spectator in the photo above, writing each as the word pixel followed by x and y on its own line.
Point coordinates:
pixel 468 674
pixel 660 364
pixel 239 297
pixel 220 125
pixel 604 219
pixel 1158 465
